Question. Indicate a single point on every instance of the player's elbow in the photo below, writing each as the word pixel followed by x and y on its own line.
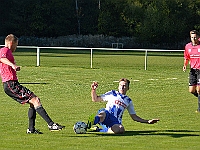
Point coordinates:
pixel 94 100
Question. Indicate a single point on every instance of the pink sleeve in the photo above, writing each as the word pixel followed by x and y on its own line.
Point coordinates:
pixel 186 55
pixel 3 53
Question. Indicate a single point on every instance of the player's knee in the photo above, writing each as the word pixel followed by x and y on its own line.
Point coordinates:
pixel 192 91
pixel 198 91
pixel 118 129
pixel 102 116
pixel 31 105
pixel 35 101
pixel 121 129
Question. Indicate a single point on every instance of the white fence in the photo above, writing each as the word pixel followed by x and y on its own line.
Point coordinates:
pixel 92 49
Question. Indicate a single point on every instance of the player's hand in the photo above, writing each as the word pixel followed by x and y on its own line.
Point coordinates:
pixel 152 121
pixel 184 68
pixel 16 68
pixel 94 85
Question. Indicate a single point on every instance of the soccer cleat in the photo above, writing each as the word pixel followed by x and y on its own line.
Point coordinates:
pixel 56 127
pixel 33 132
pixel 90 121
pixel 95 128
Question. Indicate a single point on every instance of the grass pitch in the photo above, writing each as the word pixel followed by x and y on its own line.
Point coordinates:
pixel 63 84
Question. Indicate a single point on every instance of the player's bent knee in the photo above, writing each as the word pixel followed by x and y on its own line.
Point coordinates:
pixel 102 116
pixel 35 101
pixel 117 129
pixel 192 89
pixel 122 130
pixel 198 90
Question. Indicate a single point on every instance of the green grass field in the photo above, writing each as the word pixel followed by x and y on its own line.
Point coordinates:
pixel 63 84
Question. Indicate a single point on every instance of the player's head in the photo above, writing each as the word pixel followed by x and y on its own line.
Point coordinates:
pixel 123 85
pixel 194 36
pixel 11 41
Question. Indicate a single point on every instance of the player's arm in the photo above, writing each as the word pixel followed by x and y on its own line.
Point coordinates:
pixel 185 64
pixel 95 97
pixel 7 62
pixel 138 119
pixel 186 58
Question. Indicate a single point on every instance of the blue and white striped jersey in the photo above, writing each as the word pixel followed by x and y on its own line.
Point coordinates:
pixel 117 103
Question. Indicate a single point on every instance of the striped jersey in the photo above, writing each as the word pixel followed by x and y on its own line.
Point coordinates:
pixel 117 103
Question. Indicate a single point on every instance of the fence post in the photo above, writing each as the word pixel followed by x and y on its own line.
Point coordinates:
pixel 91 58
pixel 145 61
pixel 38 56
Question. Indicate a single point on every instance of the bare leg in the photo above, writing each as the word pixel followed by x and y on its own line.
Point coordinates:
pixel 116 129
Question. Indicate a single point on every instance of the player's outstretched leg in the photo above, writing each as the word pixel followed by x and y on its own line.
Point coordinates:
pixel 95 119
pixel 102 128
pixel 42 112
pixel 51 125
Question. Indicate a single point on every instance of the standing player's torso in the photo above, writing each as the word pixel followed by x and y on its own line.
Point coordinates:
pixel 194 55
pixel 7 72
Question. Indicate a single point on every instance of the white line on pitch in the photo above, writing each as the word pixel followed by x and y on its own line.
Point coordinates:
pixel 152 79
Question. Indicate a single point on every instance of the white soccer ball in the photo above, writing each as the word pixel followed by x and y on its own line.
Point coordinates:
pixel 80 127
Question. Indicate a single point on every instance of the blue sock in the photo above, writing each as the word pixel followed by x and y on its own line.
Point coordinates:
pixel 103 130
pixel 96 119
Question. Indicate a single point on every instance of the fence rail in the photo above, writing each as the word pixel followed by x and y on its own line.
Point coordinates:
pixel 92 49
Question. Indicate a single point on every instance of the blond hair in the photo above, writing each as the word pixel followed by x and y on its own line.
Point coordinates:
pixel 11 37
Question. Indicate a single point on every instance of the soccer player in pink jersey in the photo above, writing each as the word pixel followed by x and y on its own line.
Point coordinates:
pixel 192 55
pixel 19 93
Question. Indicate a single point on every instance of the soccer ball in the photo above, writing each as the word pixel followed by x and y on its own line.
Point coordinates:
pixel 80 127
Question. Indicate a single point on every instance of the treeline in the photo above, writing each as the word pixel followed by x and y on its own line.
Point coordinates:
pixel 153 21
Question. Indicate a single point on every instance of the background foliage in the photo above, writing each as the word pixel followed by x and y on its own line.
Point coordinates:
pixel 153 21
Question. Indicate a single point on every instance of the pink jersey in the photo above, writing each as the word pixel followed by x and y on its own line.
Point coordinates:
pixel 192 53
pixel 6 71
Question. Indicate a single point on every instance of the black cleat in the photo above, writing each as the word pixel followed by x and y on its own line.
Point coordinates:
pixel 56 127
pixel 33 132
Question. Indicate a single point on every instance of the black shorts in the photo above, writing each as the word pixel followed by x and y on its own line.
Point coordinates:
pixel 194 77
pixel 18 92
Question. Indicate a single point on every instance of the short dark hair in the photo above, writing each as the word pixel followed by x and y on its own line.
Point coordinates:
pixel 195 32
pixel 11 37
pixel 125 80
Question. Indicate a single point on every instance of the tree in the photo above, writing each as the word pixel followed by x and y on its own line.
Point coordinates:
pixel 166 21
pixel 87 16
pixel 41 18
pixel 110 20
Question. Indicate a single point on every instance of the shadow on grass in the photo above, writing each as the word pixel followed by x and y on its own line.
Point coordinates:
pixel 32 83
pixel 171 133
